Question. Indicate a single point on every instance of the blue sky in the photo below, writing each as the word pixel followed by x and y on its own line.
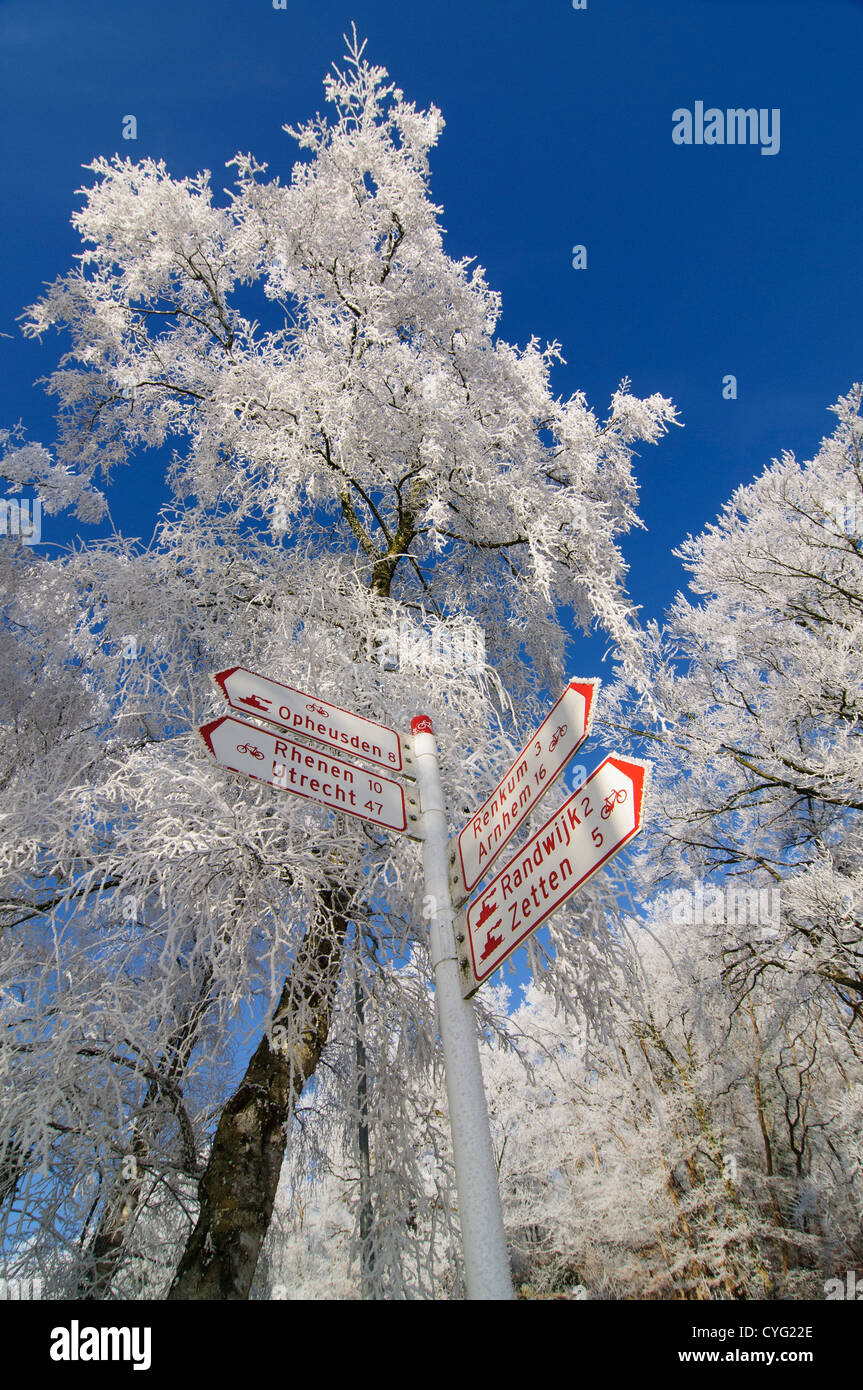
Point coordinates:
pixel 702 261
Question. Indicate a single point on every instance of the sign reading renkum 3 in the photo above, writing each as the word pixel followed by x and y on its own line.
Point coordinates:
pixel 518 791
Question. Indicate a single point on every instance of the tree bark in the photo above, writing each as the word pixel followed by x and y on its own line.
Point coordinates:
pixel 238 1188
pixel 121 1205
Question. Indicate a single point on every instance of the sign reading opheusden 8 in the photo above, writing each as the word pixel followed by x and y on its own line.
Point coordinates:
pixel 309 715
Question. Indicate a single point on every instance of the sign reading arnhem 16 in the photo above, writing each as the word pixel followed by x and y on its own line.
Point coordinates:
pixel 536 767
pixel 588 830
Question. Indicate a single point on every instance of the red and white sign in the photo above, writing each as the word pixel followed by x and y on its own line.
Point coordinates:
pixel 305 714
pixel 538 765
pixel 588 830
pixel 305 771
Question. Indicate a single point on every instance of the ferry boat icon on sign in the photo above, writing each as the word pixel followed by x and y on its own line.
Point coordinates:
pixel 491 942
pixel 255 702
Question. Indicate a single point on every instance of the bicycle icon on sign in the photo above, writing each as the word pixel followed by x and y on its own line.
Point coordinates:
pixel 613 799
pixel 251 749
pixel 558 733
pixel 316 709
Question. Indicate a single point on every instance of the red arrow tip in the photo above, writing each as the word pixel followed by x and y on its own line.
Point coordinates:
pixel 636 772
pixel 587 689
pixel 220 677
pixel 206 730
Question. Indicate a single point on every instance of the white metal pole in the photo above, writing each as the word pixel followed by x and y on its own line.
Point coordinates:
pixel 486 1261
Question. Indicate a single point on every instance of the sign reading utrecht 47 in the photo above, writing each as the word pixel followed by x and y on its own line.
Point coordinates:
pixel 312 773
pixel 537 766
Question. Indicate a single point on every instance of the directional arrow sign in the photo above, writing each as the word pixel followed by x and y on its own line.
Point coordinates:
pixel 516 794
pixel 588 830
pixel 308 772
pixel 308 715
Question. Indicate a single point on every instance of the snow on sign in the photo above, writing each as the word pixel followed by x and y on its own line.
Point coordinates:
pixel 305 771
pixel 588 830
pixel 516 794
pixel 305 714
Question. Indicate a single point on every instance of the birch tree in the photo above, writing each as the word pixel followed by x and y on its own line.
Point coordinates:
pixel 372 496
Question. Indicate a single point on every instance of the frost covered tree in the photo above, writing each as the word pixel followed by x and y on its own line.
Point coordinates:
pixel 317 1240
pixel 758 760
pixel 373 496
pixel 701 1150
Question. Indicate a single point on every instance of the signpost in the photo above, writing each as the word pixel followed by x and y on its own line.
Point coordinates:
pixel 538 765
pixel 486 1260
pixel 305 714
pixel 588 830
pixel 307 772
pixel 592 826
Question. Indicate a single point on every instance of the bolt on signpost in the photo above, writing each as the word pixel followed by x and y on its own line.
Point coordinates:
pixel 487 1272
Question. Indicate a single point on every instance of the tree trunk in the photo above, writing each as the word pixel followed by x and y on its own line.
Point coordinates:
pixel 367 1252
pixel 238 1188
pixel 121 1205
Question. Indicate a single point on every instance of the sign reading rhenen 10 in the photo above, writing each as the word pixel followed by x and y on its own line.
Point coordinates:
pixel 308 772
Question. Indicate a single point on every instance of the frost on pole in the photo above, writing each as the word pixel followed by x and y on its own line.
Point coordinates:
pixel 307 772
pixel 589 829
pixel 537 766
